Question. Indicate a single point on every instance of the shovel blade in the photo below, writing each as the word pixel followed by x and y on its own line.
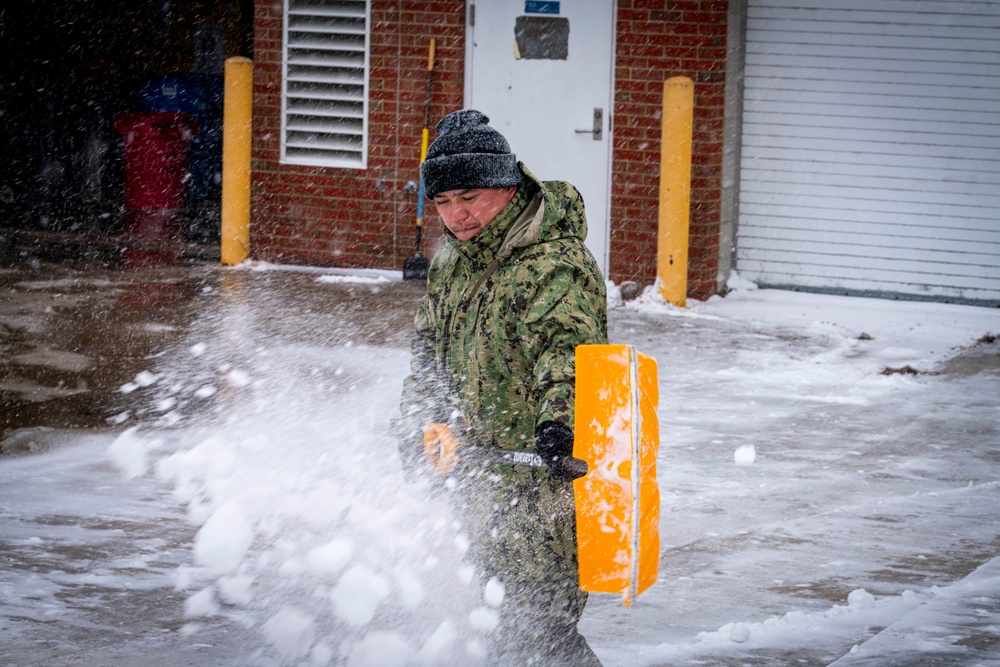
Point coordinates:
pixel 618 501
pixel 415 268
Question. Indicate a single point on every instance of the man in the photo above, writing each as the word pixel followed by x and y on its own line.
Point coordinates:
pixel 509 298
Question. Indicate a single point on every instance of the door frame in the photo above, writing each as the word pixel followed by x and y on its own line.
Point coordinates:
pixel 603 262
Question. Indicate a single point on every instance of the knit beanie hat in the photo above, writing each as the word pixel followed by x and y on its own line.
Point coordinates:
pixel 468 154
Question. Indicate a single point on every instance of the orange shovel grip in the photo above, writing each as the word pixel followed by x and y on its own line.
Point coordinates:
pixel 440 448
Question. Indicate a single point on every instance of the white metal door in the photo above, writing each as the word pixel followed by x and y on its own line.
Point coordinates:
pixel 542 72
pixel 871 148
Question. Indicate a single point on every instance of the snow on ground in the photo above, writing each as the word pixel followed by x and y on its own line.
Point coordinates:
pixel 866 490
pixel 291 474
pixel 828 469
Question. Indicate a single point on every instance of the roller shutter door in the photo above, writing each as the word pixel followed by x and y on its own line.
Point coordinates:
pixel 871 148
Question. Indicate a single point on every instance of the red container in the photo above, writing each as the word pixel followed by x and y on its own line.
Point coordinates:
pixel 155 158
pixel 153 238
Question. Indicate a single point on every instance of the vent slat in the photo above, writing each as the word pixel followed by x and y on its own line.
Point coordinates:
pixel 325 102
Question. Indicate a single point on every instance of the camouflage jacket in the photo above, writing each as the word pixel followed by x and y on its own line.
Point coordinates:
pixel 493 353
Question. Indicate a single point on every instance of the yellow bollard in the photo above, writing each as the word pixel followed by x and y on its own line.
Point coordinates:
pixel 675 190
pixel 237 131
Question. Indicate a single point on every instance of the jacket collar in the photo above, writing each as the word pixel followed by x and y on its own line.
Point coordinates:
pixel 515 226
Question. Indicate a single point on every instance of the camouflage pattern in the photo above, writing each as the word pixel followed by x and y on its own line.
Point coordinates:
pixel 503 357
pixel 494 358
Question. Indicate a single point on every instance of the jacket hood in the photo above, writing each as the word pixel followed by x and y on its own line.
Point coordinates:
pixel 536 214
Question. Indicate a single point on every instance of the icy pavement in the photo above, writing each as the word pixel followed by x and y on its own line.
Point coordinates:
pixel 828 470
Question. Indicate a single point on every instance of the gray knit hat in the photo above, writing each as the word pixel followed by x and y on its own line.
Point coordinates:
pixel 468 154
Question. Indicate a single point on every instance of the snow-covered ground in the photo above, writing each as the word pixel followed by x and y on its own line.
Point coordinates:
pixel 828 473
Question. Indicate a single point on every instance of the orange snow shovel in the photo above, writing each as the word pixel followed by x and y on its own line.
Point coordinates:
pixel 616 440
pixel 618 501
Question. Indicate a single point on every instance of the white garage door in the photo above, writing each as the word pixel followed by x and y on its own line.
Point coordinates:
pixel 871 148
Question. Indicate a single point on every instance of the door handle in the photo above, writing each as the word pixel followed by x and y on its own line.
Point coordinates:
pixel 598 130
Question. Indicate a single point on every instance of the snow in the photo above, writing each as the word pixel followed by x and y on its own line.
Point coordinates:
pixel 358 594
pixel 129 453
pixel 291 631
pixel 381 649
pixel 494 592
pixel 438 644
pixel 818 503
pixel 483 619
pixel 201 603
pixel 236 590
pixel 745 454
pixel 223 540
pixel 331 557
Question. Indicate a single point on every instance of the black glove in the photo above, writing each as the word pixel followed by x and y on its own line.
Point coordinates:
pixel 554 443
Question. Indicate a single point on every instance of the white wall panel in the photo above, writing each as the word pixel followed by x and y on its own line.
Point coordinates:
pixel 871 147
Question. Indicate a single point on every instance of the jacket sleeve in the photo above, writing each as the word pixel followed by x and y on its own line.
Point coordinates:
pixel 420 398
pixel 569 309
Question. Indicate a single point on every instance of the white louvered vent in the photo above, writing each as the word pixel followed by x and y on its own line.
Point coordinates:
pixel 324 116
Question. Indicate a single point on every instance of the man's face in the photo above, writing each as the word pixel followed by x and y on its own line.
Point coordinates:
pixel 466 212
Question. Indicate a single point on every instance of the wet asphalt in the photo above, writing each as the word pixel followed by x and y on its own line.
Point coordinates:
pixel 72 333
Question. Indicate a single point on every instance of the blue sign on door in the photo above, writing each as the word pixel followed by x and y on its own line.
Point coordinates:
pixel 531 7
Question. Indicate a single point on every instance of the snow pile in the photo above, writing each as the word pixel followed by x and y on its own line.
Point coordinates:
pixel 306 531
pixel 797 628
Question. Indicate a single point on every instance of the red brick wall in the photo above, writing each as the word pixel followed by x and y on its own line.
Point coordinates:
pixel 356 217
pixel 338 217
pixel 659 39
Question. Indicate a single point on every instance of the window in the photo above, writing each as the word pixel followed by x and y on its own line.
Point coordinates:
pixel 541 38
pixel 324 115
